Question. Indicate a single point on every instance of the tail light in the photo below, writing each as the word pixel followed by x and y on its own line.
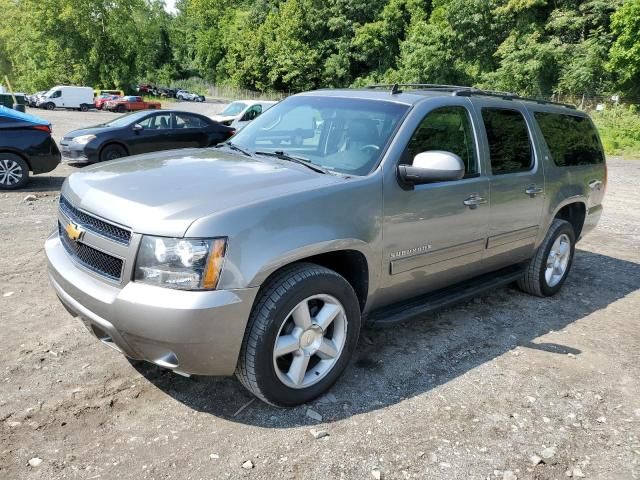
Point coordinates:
pixel 43 128
pixel 232 132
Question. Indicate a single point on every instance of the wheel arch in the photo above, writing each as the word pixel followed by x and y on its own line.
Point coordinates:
pixel 113 142
pixel 18 154
pixel 350 263
pixel 573 211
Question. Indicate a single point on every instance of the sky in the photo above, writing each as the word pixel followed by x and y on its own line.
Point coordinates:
pixel 170 6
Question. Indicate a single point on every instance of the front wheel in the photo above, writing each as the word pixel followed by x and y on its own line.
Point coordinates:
pixel 121 109
pixel 549 268
pixel 50 106
pixel 84 107
pixel 112 152
pixel 301 334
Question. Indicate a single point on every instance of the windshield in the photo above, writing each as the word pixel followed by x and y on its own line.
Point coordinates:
pixel 346 135
pixel 126 119
pixel 234 108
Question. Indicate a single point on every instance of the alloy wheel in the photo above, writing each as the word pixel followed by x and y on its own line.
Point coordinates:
pixel 558 260
pixel 310 341
pixel 10 172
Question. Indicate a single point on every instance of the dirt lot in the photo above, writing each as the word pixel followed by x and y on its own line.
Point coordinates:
pixel 472 392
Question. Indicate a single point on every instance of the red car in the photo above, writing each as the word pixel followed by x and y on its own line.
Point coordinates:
pixel 102 99
pixel 130 104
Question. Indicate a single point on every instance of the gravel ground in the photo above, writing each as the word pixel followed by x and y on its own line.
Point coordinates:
pixel 506 386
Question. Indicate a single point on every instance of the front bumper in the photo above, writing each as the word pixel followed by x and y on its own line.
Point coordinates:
pixel 72 153
pixel 189 332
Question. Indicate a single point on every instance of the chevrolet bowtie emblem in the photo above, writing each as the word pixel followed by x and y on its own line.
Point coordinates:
pixel 74 232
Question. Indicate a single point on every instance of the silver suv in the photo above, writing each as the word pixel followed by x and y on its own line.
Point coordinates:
pixel 335 209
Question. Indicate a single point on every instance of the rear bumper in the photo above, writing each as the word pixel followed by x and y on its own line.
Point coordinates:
pixel 592 219
pixel 189 332
pixel 45 158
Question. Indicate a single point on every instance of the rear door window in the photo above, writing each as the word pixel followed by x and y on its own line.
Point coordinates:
pixel 184 120
pixel 509 142
pixel 571 140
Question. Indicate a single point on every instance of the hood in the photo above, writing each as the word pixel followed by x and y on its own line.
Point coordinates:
pixel 88 131
pixel 165 192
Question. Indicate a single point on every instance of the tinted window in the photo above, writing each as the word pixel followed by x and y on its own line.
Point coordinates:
pixel 571 140
pixel 347 135
pixel 157 122
pixel 509 143
pixel 447 129
pixel 184 120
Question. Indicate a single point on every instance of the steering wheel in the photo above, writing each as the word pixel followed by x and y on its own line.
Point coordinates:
pixel 371 145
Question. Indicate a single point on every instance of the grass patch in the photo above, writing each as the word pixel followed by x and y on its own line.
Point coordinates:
pixel 619 128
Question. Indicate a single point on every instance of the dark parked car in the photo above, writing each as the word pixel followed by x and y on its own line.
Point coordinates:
pixel 25 145
pixel 142 132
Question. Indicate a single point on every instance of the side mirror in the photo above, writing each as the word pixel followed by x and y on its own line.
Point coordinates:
pixel 432 166
pixel 137 127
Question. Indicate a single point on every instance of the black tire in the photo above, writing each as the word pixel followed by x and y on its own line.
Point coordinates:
pixel 50 106
pixel 112 151
pixel 14 171
pixel 84 107
pixel 121 109
pixel 534 280
pixel 278 297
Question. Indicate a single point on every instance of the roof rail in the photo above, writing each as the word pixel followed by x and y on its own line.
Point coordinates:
pixel 465 91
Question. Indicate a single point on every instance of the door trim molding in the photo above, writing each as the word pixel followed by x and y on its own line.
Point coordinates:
pixel 425 259
pixel 513 236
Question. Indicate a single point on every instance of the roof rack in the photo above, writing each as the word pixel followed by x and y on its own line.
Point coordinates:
pixel 465 91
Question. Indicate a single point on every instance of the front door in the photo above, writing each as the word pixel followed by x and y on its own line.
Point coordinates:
pixel 435 234
pixel 517 185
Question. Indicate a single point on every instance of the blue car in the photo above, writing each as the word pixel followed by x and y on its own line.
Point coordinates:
pixel 26 146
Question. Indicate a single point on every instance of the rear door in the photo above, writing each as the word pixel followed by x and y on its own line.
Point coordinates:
pixel 188 131
pixel 516 180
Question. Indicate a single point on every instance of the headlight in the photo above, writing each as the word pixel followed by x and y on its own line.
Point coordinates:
pixel 83 139
pixel 182 263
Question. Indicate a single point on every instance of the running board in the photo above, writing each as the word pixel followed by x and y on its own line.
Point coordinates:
pixel 401 312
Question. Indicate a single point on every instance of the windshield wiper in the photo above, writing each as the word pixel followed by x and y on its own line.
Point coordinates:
pixel 299 160
pixel 235 148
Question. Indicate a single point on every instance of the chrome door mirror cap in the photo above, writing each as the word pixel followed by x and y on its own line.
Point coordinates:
pixel 432 166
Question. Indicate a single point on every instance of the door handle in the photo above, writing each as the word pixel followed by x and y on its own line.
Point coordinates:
pixel 474 200
pixel 533 190
pixel 595 184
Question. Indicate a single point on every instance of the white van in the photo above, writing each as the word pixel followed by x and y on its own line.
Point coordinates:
pixel 64 96
pixel 237 114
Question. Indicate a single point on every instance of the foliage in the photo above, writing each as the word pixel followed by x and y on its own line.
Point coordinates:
pixel 625 51
pixel 533 47
pixel 619 129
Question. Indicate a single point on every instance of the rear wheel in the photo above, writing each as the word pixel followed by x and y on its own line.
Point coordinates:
pixel 112 152
pixel 549 268
pixel 14 171
pixel 301 334
pixel 84 107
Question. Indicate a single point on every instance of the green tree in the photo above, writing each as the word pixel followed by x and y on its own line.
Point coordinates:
pixel 624 59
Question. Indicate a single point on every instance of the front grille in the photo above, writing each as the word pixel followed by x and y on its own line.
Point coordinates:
pixel 90 258
pixel 96 225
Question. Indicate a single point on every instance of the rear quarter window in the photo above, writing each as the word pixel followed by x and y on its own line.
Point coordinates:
pixel 571 140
